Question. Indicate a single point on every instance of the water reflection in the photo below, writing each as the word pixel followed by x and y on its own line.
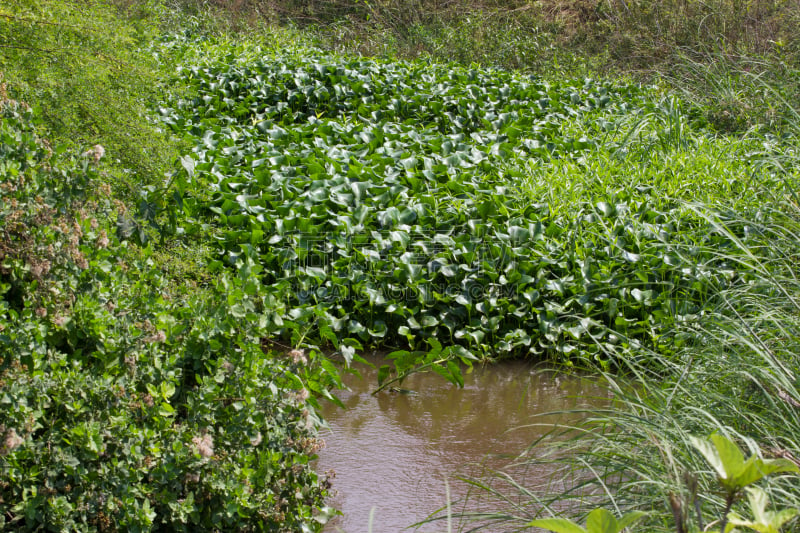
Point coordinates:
pixel 393 452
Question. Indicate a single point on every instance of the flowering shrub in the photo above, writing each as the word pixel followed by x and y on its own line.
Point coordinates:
pixel 128 402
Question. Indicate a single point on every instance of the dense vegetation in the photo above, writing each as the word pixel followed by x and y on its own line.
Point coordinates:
pixel 196 206
pixel 129 402
pixel 385 202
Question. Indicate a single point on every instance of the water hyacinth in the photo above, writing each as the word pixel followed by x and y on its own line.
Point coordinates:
pixel 498 214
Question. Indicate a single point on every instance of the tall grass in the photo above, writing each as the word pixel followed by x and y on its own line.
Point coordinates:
pixel 89 71
pixel 738 374
pixel 717 52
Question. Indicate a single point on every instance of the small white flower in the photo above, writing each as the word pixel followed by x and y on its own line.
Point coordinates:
pixel 303 395
pixel 204 446
pixel 160 336
pixel 96 153
pixel 298 357
pixel 102 240
pixel 10 441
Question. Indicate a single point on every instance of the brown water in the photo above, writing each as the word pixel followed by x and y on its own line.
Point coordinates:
pixel 393 453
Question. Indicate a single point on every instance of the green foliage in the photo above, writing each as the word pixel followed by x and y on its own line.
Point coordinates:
pixel 598 521
pixel 736 375
pixel 460 212
pixel 733 471
pixel 734 475
pixel 763 521
pixel 86 67
pixel 720 53
pixel 127 403
pixel 388 202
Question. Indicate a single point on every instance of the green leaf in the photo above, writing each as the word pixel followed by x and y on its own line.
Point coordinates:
pixel 630 518
pixel 733 472
pixel 188 164
pixel 601 521
pixel 722 454
pixel 558 525
pixel 755 468
pixel 383 373
pixel 764 521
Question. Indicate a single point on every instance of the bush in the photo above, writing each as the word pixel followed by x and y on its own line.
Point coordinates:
pixel 88 69
pixel 122 407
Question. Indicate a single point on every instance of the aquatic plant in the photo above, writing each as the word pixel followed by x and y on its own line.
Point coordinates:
pixel 393 203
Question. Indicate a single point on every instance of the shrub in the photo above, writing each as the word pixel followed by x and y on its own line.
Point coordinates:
pixel 88 69
pixel 122 407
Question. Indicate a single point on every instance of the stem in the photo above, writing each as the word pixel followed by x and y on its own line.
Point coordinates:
pixel 401 377
pixel 677 513
pixel 728 504
pixel 699 514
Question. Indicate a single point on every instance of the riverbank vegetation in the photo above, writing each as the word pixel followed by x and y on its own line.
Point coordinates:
pixel 208 197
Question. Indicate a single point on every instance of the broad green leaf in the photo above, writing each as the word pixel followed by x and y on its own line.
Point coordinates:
pixel 598 521
pixel 558 525
pixel 383 373
pixel 601 521
pixel 630 518
pixel 764 521
pixel 755 468
pixel 723 455
pixel 734 473
pixel 188 164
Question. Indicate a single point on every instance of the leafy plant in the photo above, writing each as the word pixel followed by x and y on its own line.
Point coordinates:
pixel 733 471
pixel 763 521
pixel 736 375
pixel 127 402
pixel 598 521
pixel 734 474
pixel 392 196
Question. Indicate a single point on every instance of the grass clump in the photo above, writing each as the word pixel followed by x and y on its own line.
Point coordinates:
pixel 92 78
pixel 737 376
pixel 720 52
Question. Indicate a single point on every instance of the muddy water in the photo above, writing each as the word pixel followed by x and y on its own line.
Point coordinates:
pixel 396 455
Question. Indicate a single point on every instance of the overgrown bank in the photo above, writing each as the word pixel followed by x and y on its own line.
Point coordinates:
pixel 137 393
pixel 738 60
pixel 130 402
pixel 309 198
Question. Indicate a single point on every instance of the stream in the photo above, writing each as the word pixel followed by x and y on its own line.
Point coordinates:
pixel 395 456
